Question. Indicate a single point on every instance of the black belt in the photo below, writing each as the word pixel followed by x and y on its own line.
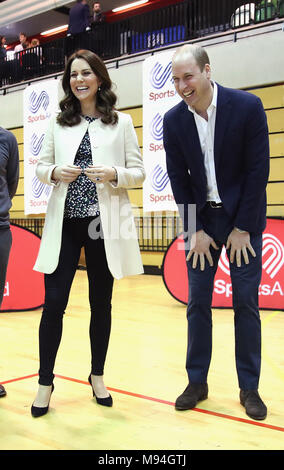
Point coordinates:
pixel 215 205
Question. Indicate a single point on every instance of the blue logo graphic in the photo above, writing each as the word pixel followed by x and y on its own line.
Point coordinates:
pixel 39 188
pixel 159 75
pixel 159 178
pixel 36 144
pixel 156 127
pixel 36 101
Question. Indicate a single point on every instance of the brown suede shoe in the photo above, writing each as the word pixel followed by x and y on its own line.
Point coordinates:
pixel 191 396
pixel 255 408
pixel 2 391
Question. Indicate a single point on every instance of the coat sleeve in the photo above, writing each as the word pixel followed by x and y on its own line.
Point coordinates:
pixel 256 169
pixel 46 162
pixel 13 166
pixel 133 174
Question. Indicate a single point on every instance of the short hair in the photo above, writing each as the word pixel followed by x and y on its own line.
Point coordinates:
pixel 198 52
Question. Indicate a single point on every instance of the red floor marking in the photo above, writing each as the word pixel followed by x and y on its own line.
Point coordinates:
pixel 158 400
pixel 18 378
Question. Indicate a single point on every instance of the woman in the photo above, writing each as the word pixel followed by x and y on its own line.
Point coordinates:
pixel 9 177
pixel 90 155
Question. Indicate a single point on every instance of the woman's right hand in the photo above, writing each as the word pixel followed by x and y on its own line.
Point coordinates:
pixel 66 173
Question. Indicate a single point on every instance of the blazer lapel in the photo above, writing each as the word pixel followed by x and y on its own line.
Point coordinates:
pixel 190 137
pixel 222 119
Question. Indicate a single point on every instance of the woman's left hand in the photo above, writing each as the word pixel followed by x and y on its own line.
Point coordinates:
pixel 100 173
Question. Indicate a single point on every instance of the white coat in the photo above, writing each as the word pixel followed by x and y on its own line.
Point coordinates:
pixel 112 145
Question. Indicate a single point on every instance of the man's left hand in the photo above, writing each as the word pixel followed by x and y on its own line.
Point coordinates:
pixel 239 242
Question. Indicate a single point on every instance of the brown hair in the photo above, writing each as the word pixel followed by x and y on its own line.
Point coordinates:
pixel 105 97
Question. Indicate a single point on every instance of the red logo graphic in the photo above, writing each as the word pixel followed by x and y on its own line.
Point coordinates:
pixel 271 290
pixel 24 288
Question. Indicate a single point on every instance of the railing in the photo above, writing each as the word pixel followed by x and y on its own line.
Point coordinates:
pixel 184 21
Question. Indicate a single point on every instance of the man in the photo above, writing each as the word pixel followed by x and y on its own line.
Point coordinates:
pixel 9 176
pixel 98 16
pixel 79 18
pixel 217 152
pixel 23 43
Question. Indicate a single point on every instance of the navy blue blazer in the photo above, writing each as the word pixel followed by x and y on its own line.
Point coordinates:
pixel 79 18
pixel 241 153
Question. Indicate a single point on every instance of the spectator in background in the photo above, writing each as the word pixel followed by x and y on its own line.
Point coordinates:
pixel 36 49
pixel 98 20
pixel 98 16
pixel 23 43
pixel 79 18
pixel 34 43
pixel 3 51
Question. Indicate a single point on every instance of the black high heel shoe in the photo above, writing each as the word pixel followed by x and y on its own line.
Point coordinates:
pixel 40 411
pixel 101 401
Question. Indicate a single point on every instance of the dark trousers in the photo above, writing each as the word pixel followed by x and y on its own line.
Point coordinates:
pixel 245 284
pixel 57 289
pixel 5 247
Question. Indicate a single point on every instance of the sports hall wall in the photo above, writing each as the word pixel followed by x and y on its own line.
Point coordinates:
pixel 254 63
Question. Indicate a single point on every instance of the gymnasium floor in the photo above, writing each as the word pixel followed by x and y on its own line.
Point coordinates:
pixel 144 373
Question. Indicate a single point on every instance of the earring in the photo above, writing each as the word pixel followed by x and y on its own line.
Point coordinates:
pixel 99 89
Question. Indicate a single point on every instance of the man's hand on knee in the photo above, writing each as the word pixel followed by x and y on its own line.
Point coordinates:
pixel 239 244
pixel 200 249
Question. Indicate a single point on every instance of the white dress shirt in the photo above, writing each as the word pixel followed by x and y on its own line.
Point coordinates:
pixel 19 48
pixel 206 132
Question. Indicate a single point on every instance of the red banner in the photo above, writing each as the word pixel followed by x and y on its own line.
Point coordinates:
pixel 271 290
pixel 24 288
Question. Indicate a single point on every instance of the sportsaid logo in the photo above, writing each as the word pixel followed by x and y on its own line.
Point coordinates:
pixel 37 102
pixel 274 251
pixel 159 178
pixel 156 131
pixel 272 262
pixel 156 127
pixel 159 76
pixel 36 144
pixel 39 190
pixel 35 148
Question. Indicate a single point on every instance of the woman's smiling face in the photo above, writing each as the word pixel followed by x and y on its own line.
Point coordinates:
pixel 83 81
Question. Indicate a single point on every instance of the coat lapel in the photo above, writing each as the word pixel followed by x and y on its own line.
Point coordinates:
pixel 190 136
pixel 72 139
pixel 222 120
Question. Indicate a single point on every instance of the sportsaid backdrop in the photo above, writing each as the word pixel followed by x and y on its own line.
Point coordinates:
pixel 159 96
pixel 40 102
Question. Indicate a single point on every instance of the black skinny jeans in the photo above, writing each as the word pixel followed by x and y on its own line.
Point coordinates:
pixel 57 289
